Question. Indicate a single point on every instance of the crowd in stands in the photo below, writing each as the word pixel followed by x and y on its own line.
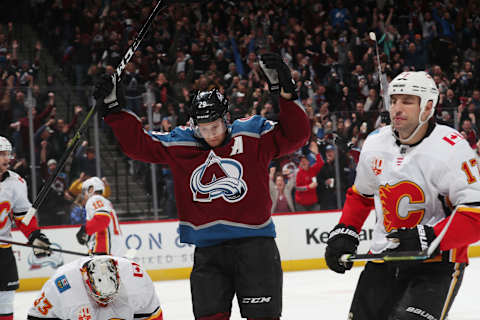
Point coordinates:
pixel 215 44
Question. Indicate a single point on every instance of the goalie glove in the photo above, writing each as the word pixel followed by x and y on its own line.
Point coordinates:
pixel 82 235
pixel 37 238
pixel 108 94
pixel 278 74
pixel 342 240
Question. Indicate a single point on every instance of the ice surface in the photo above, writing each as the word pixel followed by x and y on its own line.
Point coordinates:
pixel 322 294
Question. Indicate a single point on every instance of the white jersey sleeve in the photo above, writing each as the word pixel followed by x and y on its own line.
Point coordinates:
pixel 365 181
pixel 143 296
pixel 461 179
pixel 20 202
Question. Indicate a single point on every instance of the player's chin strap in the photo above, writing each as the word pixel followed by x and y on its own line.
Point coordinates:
pixel 410 137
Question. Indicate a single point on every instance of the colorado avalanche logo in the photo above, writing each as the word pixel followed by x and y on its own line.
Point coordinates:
pixel 216 178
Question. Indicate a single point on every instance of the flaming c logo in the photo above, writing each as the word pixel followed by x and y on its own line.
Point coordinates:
pixel 390 196
pixel 4 210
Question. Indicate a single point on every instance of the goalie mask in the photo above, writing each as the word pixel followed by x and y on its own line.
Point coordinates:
pixel 101 277
pixel 92 185
pixel 206 107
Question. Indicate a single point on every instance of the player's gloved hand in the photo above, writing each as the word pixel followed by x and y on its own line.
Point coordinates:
pixel 278 74
pixel 37 238
pixel 414 239
pixel 82 235
pixel 108 95
pixel 342 240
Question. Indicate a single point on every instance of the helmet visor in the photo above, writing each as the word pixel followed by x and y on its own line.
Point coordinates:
pixel 211 129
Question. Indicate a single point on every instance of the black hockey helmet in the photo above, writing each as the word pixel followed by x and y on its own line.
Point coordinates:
pixel 208 106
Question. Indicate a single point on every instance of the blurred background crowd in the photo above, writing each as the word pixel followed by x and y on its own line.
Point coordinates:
pixel 54 51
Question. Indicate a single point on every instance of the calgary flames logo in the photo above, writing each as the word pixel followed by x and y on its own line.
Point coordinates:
pixel 391 196
pixel 4 211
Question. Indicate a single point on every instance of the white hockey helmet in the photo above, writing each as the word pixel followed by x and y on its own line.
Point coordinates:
pixel 95 183
pixel 102 279
pixel 416 83
pixel 5 145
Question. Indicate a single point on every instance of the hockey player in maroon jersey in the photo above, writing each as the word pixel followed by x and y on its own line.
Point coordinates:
pixel 221 187
pixel 14 204
pixel 414 172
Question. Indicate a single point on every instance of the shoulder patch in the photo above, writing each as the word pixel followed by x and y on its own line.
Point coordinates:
pixel 374 132
pixel 62 284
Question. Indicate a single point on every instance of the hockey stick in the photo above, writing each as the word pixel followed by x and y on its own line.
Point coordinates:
pixel 75 141
pixel 405 255
pixel 43 248
pixel 373 37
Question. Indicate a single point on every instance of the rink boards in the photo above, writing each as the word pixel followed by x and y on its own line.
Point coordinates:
pixel 301 238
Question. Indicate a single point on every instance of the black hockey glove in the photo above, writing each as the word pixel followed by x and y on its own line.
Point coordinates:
pixel 108 95
pixel 82 236
pixel 414 239
pixel 37 238
pixel 342 240
pixel 278 74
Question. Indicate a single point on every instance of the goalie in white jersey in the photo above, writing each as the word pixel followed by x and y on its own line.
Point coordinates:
pixel 101 232
pixel 414 173
pixel 98 288
pixel 14 205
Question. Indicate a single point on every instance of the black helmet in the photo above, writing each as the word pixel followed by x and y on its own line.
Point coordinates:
pixel 208 106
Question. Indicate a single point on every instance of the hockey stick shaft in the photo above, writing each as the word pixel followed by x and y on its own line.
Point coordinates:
pixel 379 66
pixel 73 143
pixel 393 256
pixel 373 37
pixel 141 34
pixel 43 248
pixel 402 256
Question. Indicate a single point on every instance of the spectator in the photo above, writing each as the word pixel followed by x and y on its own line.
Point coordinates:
pixel 54 208
pixel 281 192
pixel 78 212
pixel 134 86
pixel 75 189
pixel 61 131
pixel 306 181
pixel 469 133
pixel 327 181
pixel 85 160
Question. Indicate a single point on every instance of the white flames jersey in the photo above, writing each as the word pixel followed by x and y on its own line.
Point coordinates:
pixel 411 184
pixel 65 296
pixel 109 240
pixel 13 199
